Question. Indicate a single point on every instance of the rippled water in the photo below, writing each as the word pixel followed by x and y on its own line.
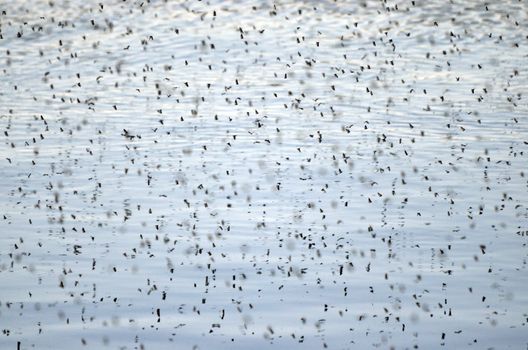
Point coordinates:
pixel 268 174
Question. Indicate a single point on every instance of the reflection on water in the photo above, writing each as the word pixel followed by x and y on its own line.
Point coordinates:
pixel 266 174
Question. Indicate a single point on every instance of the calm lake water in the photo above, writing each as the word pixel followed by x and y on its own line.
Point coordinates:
pixel 264 174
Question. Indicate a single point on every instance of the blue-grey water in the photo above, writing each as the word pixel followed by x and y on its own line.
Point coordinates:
pixel 263 174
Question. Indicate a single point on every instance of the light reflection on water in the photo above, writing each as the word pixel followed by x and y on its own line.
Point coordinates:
pixel 288 174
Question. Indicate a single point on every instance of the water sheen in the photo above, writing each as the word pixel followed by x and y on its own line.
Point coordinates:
pixel 268 174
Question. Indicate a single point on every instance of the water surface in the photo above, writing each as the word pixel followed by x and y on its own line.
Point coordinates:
pixel 300 175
